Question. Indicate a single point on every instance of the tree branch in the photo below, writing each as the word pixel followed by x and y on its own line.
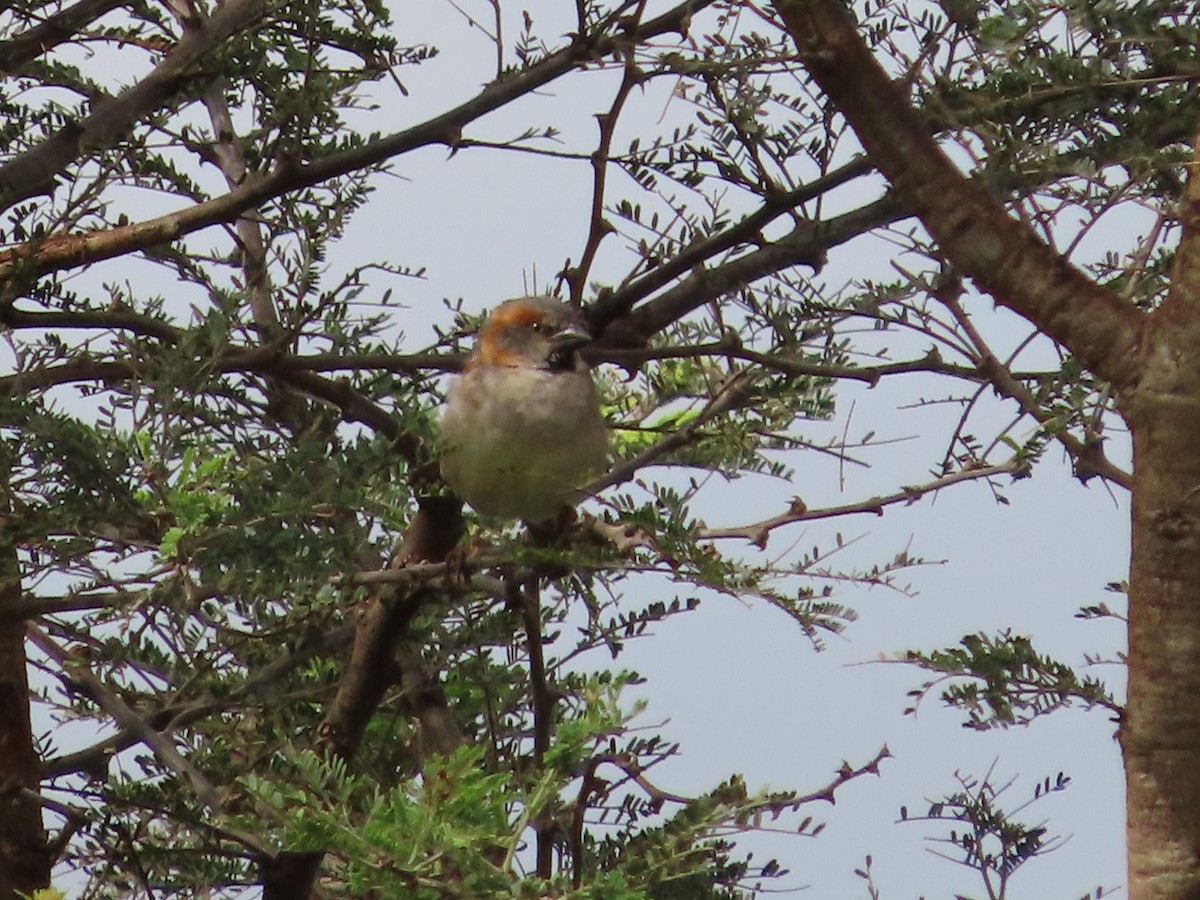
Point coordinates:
pixel 380 630
pixel 32 172
pixel 94 759
pixel 1183 299
pixel 76 671
pixel 70 251
pixel 52 31
pixel 731 393
pixel 25 862
pixel 354 406
pixel 1087 457
pixel 599 227
pixel 807 244
pixel 612 306
pixel 758 532
pixel 542 699
pixel 975 232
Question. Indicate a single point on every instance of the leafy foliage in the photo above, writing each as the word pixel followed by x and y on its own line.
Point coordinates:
pixel 1002 681
pixel 986 837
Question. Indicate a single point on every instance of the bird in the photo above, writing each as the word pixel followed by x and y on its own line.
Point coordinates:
pixel 522 429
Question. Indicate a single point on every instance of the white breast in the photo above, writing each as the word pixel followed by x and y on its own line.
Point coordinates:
pixel 519 442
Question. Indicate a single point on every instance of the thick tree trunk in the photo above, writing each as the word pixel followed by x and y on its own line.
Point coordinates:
pixel 24 856
pixel 1153 364
pixel 1160 734
pixel 1161 731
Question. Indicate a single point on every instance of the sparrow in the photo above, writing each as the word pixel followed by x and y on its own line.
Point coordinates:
pixel 522 430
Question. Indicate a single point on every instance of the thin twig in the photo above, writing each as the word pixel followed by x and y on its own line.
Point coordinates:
pixel 78 673
pixel 599 227
pixel 758 532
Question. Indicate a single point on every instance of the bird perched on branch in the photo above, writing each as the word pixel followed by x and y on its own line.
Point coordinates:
pixel 522 430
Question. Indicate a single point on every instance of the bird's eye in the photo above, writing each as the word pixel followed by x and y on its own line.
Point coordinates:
pixel 535 326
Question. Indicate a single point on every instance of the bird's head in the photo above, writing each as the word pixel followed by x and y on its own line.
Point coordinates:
pixel 531 332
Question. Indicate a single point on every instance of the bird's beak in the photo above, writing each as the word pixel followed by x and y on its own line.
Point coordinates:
pixel 570 337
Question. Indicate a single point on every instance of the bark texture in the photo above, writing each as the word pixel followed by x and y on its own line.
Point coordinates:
pixel 24 855
pixel 1160 735
pixel 1161 732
